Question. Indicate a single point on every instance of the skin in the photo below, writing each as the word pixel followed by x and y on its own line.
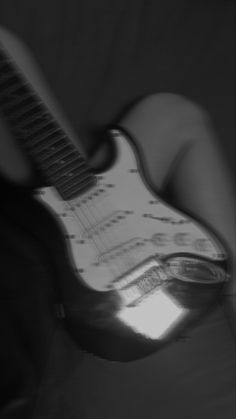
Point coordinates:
pixel 172 126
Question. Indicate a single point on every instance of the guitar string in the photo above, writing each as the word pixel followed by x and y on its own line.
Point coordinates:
pixel 85 211
pixel 126 256
pixel 86 222
pixel 106 244
pixel 78 219
pixel 111 265
pixel 106 241
pixel 106 237
pixel 89 223
pixel 38 100
pixel 31 90
pixel 94 241
pixel 20 82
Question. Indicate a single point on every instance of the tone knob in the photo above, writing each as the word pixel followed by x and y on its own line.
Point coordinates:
pixel 203 245
pixel 182 239
pixel 160 239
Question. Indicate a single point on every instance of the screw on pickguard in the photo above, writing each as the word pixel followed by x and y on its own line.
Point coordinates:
pixel 154 202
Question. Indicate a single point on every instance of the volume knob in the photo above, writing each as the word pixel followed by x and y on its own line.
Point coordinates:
pixel 182 239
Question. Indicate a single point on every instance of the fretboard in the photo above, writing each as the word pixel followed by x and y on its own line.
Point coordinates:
pixel 42 137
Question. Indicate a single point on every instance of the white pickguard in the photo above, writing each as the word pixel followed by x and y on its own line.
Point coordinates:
pixel 120 222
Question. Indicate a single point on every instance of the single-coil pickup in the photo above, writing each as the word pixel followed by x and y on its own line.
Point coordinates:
pixel 123 249
pixel 105 224
pixel 183 239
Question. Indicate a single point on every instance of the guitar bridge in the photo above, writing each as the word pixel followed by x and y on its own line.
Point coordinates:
pixel 141 281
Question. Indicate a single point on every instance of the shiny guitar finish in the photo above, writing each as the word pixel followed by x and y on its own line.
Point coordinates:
pixel 147 272
pixel 143 272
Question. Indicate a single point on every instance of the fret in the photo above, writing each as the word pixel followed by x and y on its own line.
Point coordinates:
pixel 73 182
pixel 13 89
pixel 7 89
pixel 28 131
pixel 59 170
pixel 67 177
pixel 75 191
pixel 73 170
pixel 58 155
pixel 52 144
pixel 16 101
pixel 8 78
pixel 26 121
pixel 40 127
pixel 41 138
pixel 26 112
pixel 28 109
pixel 45 141
pixel 62 163
pixel 63 154
pixel 39 122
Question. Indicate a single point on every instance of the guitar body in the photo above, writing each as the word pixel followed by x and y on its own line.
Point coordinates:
pixel 134 274
pixel 145 272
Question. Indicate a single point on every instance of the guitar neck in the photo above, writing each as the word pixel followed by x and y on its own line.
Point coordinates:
pixel 41 136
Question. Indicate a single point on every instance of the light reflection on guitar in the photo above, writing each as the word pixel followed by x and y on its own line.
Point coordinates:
pixel 145 271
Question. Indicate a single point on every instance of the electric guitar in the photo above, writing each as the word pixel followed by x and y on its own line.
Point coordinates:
pixel 145 272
